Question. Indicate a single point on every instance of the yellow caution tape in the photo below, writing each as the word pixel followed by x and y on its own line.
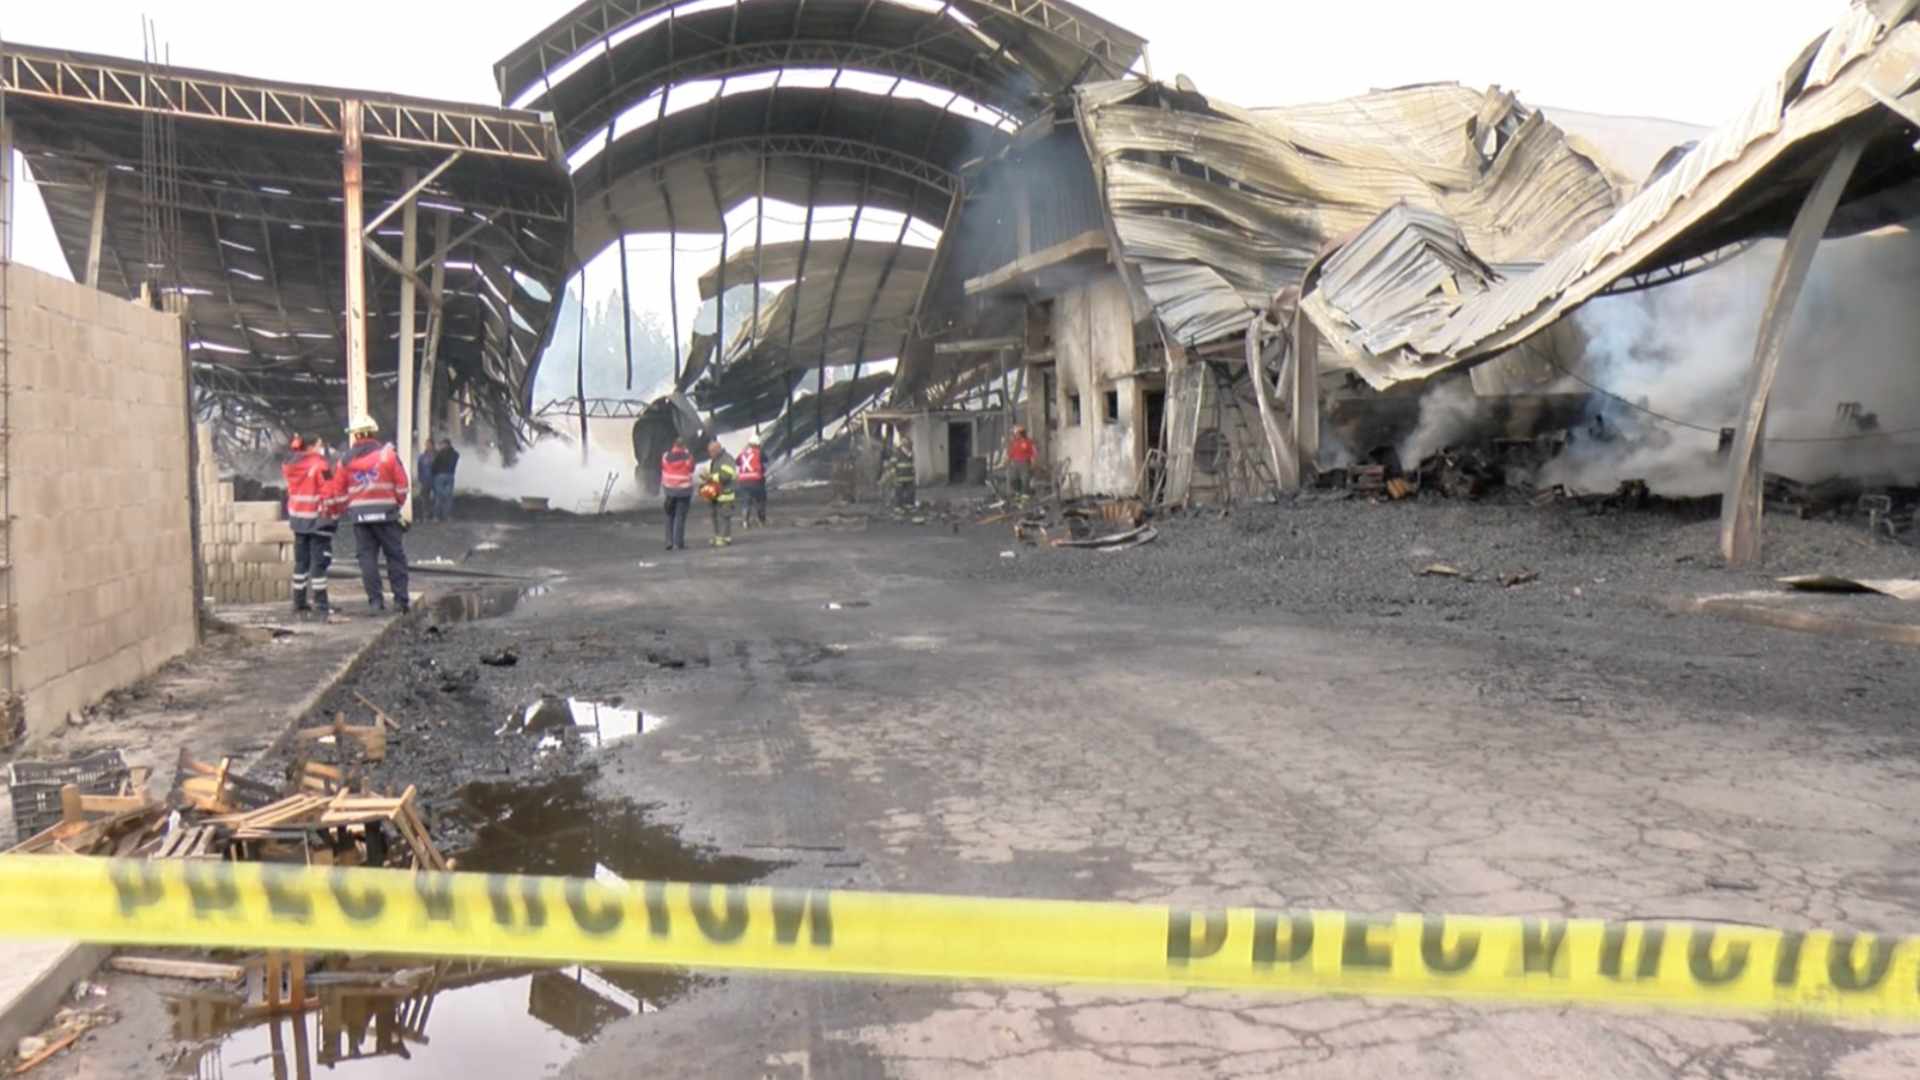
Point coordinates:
pixel 820 931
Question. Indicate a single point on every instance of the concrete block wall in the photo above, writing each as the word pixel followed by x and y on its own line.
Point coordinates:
pixel 97 470
pixel 246 547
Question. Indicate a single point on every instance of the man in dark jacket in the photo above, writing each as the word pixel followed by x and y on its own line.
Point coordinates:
pixel 445 461
pixel 423 492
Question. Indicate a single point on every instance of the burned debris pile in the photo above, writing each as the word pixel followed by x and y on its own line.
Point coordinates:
pixel 1510 470
pixel 323 812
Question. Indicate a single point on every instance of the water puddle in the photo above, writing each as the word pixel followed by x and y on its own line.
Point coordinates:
pixel 596 724
pixel 490 603
pixel 419 1019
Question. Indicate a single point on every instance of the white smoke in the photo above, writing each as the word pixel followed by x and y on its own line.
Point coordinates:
pixel 1684 351
pixel 551 469
pixel 1449 411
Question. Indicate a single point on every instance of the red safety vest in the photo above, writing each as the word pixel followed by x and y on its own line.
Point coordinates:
pixel 676 472
pixel 308 479
pixel 753 466
pixel 376 482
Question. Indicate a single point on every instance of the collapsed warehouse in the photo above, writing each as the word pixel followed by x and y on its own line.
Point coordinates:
pixel 1001 222
pixel 1365 313
pixel 1408 259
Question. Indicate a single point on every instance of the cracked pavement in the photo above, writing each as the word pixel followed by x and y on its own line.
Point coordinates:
pixel 1001 741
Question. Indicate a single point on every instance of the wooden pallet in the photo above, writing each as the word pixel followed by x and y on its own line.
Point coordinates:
pixel 192 842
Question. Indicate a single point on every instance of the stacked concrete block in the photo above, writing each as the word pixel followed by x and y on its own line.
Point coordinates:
pixel 246 547
pixel 97 467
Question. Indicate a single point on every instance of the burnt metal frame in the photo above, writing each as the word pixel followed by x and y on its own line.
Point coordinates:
pixel 103 81
pixel 596 408
pixel 77 79
pixel 596 20
pixel 730 61
pixel 1664 275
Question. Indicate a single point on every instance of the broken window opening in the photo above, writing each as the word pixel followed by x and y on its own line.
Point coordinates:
pixel 1113 407
pixel 1073 410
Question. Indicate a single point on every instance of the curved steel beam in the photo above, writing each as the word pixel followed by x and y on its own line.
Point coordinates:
pixel 822 148
pixel 588 24
pixel 730 61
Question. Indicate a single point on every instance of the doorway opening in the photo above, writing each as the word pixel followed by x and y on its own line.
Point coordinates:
pixel 959 451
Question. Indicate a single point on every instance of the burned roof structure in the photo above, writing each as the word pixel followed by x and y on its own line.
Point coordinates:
pixel 955 78
pixel 1858 83
pixel 226 194
pixel 1216 208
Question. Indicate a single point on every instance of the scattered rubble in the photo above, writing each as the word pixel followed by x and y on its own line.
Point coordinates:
pixel 68 1026
pixel 323 813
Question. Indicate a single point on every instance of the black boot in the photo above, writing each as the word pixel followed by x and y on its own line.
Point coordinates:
pixel 300 601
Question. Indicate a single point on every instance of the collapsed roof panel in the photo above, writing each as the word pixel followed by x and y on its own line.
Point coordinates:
pixel 1218 208
pixel 782 261
pixel 777 136
pixel 1744 180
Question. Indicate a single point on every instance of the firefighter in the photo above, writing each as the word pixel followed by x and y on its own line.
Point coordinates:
pixel 1020 455
pixel 676 483
pixel 314 491
pixel 753 481
pixel 376 489
pixel 902 475
pixel 716 486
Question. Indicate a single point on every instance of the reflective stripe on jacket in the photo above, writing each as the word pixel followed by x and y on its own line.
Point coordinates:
pixel 376 482
pixel 753 466
pixel 676 472
pixel 723 474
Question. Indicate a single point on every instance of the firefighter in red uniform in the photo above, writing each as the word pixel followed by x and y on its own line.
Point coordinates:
pixel 1020 455
pixel 676 483
pixel 376 490
pixel 752 482
pixel 315 492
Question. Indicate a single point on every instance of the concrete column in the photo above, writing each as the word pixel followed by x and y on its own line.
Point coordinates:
pixel 6 190
pixel 97 228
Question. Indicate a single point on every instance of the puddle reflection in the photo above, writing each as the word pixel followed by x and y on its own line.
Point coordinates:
pixel 416 1019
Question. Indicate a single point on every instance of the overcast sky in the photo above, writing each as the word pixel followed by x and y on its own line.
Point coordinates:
pixel 1693 60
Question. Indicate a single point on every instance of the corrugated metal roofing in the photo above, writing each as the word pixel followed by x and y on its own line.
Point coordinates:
pixel 1219 208
pixel 1744 180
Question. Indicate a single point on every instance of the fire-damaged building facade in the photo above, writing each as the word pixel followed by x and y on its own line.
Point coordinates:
pixel 1207 301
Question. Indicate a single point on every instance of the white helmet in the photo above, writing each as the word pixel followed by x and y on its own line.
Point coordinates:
pixel 362 422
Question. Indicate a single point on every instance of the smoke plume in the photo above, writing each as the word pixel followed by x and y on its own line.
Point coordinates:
pixel 1449 411
pixel 551 469
pixel 1684 350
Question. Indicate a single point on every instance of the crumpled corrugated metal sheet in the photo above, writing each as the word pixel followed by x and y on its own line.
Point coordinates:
pixel 1407 270
pixel 1218 208
pixel 1851 62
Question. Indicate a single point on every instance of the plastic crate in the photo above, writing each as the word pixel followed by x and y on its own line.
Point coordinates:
pixel 35 787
